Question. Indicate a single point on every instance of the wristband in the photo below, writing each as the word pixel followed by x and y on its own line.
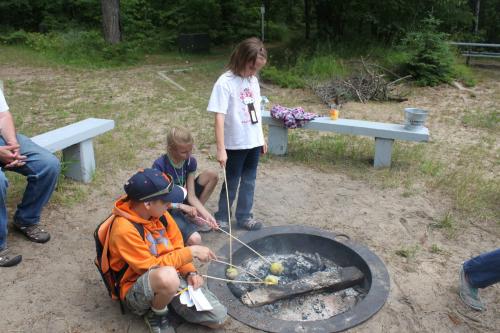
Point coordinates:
pixel 191 274
pixel 174 205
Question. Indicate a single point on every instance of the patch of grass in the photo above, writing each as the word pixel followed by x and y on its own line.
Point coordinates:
pixel 446 224
pixel 464 73
pixel 408 252
pixel 488 119
pixel 330 149
pixel 431 168
pixel 436 249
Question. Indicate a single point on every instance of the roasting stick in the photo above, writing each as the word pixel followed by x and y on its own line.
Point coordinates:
pixel 234 281
pixel 241 242
pixel 240 268
pixel 228 218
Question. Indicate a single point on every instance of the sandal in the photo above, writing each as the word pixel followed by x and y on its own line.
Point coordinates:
pixel 34 233
pixel 251 224
pixel 7 261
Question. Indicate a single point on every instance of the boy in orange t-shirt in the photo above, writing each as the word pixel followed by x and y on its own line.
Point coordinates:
pixel 159 264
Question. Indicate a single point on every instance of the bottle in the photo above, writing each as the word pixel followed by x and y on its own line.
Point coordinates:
pixel 334 114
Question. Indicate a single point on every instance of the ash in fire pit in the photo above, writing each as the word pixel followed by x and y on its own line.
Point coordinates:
pixel 321 258
pixel 310 306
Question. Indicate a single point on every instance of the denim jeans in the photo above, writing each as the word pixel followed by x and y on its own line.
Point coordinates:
pixel 483 270
pixel 41 171
pixel 241 170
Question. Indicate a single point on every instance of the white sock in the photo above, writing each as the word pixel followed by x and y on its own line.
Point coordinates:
pixel 160 311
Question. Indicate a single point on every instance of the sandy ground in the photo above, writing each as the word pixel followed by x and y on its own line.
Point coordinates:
pixel 58 289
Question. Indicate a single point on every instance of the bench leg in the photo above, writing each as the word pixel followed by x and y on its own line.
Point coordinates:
pixel 278 140
pixel 383 152
pixel 80 161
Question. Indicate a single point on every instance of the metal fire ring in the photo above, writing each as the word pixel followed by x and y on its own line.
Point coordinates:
pixel 376 280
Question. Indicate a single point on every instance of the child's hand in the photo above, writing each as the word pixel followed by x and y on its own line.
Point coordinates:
pixel 195 280
pixel 189 210
pixel 211 221
pixel 222 157
pixel 264 148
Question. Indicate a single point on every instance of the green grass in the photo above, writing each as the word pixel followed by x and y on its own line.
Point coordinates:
pixel 435 249
pixel 487 119
pixel 408 252
pixel 414 166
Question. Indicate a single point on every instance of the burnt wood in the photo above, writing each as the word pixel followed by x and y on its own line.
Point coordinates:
pixel 346 278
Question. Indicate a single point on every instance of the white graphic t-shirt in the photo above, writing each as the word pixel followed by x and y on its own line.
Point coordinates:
pixel 232 95
pixel 3 104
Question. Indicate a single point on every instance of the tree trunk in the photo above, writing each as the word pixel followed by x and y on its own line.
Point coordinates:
pixel 111 25
pixel 307 5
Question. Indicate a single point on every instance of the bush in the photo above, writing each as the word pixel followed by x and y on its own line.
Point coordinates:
pixel 283 78
pixel 16 37
pixel 77 47
pixel 430 57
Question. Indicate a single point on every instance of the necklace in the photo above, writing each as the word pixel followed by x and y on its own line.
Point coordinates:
pixel 181 181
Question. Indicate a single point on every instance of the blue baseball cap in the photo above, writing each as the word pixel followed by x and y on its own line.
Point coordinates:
pixel 152 184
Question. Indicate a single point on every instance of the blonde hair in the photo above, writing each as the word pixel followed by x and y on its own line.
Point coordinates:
pixel 179 136
pixel 245 52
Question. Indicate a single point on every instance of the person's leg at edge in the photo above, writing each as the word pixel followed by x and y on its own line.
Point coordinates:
pixel 7 259
pixel 42 169
pixel 479 272
pixel 4 184
pixel 247 187
pixel 484 270
pixel 205 184
pixel 234 168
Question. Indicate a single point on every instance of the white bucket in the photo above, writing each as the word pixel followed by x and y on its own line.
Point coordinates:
pixel 414 118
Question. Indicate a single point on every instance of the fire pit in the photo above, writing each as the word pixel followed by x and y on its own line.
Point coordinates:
pixel 303 250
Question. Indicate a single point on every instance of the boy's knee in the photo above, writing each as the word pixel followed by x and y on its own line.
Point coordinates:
pixel 165 279
pixel 194 239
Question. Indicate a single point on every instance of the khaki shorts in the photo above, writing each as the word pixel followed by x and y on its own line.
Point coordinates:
pixel 140 297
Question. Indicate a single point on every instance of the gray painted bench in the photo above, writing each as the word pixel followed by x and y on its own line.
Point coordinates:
pixel 75 141
pixel 384 134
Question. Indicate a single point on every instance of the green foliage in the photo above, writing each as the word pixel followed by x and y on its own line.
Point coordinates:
pixel 282 78
pixel 464 74
pixel 76 47
pixel 431 60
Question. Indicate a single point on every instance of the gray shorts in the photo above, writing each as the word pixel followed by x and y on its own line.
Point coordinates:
pixel 140 296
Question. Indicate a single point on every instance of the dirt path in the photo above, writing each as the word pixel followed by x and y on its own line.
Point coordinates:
pixel 57 288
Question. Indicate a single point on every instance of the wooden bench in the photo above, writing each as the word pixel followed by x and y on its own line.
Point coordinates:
pixel 75 141
pixel 384 134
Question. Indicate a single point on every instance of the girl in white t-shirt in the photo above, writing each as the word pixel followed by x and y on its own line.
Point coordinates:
pixel 235 100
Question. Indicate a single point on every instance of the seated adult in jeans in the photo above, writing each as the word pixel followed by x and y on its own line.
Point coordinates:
pixel 477 273
pixel 41 168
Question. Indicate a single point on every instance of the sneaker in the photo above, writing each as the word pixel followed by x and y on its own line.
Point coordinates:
pixel 158 323
pixel 8 261
pixel 34 233
pixel 250 224
pixel 469 294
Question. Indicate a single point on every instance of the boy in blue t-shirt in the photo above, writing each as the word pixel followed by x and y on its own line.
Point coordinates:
pixel 178 163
